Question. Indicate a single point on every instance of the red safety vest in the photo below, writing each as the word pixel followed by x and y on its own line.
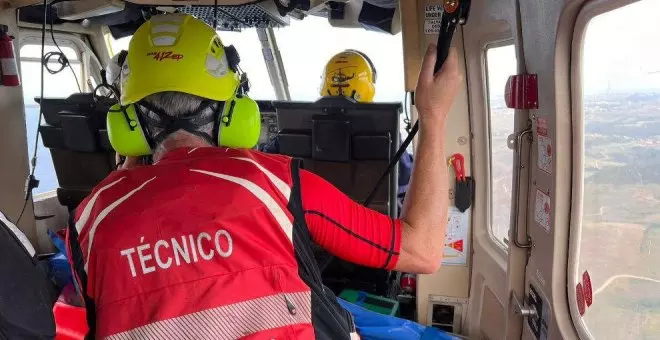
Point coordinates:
pixel 207 244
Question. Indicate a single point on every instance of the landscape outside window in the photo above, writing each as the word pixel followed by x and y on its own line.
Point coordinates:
pixel 620 245
pixel 501 62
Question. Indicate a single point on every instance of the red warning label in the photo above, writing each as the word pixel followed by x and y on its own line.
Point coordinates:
pixel 579 295
pixel 458 245
pixel 588 291
pixel 542 126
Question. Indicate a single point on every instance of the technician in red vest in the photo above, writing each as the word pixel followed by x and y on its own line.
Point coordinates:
pixel 214 240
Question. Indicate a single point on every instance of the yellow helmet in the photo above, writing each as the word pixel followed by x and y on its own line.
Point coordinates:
pixel 177 52
pixel 351 74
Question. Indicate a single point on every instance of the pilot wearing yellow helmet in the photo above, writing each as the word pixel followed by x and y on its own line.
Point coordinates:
pixel 350 74
pixel 353 75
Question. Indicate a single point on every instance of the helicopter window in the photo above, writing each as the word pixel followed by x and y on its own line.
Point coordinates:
pixel 307 45
pixel 60 85
pixel 501 63
pixel 620 222
pixel 116 46
pixel 252 61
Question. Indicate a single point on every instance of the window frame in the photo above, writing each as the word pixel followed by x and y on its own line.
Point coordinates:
pixel 591 10
pixel 503 249
pixel 86 56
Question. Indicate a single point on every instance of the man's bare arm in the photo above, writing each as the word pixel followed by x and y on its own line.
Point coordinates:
pixel 424 218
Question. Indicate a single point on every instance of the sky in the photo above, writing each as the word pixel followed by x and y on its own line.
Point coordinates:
pixel 622 50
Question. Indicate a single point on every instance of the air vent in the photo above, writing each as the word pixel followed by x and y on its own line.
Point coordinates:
pixel 236 18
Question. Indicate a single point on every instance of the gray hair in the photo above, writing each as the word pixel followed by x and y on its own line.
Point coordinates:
pixel 176 104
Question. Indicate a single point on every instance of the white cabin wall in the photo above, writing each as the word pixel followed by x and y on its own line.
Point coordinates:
pixel 14 162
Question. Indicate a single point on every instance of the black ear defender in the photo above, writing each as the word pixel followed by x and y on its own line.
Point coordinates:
pixel 122 58
pixel 371 64
pixel 232 57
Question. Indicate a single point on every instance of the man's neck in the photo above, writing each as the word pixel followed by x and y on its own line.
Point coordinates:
pixel 178 140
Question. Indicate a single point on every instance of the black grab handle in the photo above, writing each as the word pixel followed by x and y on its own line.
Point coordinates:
pixel 444 41
pixel 447 28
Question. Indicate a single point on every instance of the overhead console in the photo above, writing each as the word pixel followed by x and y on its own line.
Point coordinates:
pixel 263 14
pixel 373 15
pixel 194 2
pixel 124 17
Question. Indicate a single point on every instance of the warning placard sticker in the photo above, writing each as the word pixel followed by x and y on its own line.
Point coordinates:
pixel 432 19
pixel 433 12
pixel 456 243
pixel 542 210
pixel 545 154
pixel 542 126
pixel 544 145
pixel 432 26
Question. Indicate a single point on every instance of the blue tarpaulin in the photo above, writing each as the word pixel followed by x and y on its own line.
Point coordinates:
pixel 374 326
pixel 59 269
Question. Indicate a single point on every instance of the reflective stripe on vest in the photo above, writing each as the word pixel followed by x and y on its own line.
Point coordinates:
pixel 230 322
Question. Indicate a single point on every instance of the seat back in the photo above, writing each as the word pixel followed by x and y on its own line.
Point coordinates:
pixel 349 144
pixel 27 295
pixel 75 133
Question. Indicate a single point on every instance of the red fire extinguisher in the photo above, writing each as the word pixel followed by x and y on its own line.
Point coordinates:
pixel 8 65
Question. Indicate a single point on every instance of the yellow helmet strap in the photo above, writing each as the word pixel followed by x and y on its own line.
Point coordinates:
pixel 190 122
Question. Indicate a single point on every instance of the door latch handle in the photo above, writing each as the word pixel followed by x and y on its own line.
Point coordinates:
pixel 521 309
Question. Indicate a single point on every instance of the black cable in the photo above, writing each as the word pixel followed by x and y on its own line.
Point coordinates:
pixel 22 212
pixel 63 60
pixel 30 180
pixel 111 90
pixel 215 16
pixel 406 111
pixel 394 162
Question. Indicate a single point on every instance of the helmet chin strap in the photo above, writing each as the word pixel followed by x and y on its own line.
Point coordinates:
pixel 190 122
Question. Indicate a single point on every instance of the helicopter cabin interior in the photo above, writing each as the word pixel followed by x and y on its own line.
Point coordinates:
pixel 557 121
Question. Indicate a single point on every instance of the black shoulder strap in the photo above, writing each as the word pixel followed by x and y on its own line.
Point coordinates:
pixel 302 239
pixel 329 319
pixel 78 263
